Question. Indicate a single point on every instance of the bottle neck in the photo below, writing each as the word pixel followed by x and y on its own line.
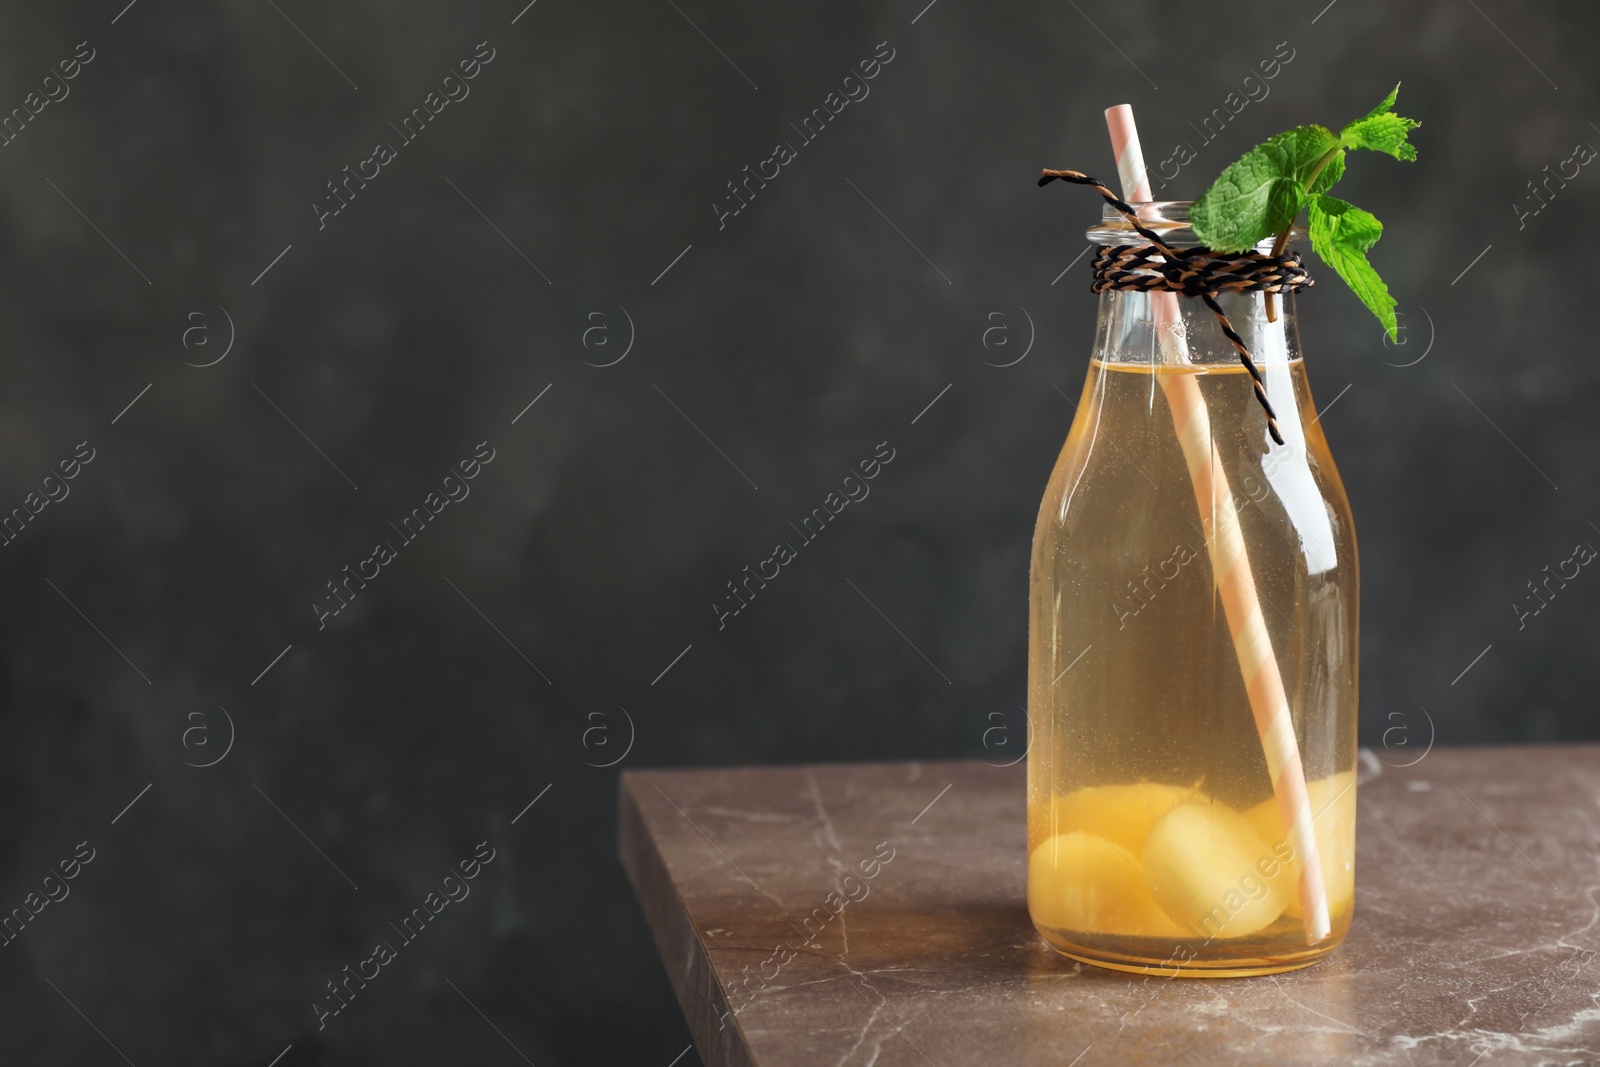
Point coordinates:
pixel 1163 328
pixel 1137 327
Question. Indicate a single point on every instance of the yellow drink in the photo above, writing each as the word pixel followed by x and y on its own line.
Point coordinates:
pixel 1154 838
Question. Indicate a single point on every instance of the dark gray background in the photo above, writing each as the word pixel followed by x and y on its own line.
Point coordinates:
pixel 797 338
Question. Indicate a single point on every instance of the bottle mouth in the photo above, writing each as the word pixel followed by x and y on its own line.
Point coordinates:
pixel 1169 218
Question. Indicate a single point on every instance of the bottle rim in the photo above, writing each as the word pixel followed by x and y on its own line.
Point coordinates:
pixel 1169 218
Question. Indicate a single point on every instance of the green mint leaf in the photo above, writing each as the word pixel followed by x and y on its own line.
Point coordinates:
pixel 1382 130
pixel 1262 192
pixel 1386 133
pixel 1341 234
pixel 1387 105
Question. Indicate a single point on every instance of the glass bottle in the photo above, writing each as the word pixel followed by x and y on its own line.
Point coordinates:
pixel 1155 840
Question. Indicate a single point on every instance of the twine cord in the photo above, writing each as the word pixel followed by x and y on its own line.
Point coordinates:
pixel 1200 272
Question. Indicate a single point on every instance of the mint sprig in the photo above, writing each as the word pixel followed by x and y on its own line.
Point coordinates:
pixel 1262 193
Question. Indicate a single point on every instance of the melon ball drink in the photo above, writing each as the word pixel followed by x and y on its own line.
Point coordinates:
pixel 1194 591
pixel 1153 831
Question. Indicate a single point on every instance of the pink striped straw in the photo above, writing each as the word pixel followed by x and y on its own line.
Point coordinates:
pixel 1230 564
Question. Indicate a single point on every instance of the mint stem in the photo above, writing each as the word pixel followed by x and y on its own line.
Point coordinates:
pixel 1283 238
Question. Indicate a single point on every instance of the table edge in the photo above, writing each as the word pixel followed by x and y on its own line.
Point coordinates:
pixel 688 964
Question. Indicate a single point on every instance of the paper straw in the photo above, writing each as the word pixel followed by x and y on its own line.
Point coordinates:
pixel 1230 563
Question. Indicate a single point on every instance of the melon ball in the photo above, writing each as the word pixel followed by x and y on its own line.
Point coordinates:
pixel 1081 881
pixel 1204 862
pixel 1120 813
pixel 1333 810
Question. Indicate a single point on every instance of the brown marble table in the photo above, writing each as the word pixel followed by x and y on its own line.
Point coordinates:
pixel 1476 937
